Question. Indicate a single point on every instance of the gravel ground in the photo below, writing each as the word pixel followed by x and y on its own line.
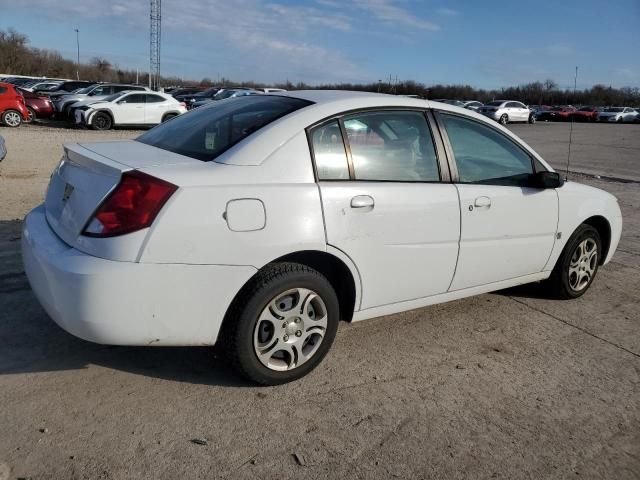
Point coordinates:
pixel 504 385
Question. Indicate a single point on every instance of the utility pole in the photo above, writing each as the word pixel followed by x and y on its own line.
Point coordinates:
pixel 154 48
pixel 78 45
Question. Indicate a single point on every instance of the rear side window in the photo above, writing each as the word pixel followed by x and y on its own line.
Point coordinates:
pixel 392 146
pixel 207 132
pixel 155 99
pixel 329 153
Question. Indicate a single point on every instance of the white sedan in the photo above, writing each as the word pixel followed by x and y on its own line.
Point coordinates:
pixel 260 222
pixel 618 114
pixel 129 108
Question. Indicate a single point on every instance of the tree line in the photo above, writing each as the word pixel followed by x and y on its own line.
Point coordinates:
pixel 18 58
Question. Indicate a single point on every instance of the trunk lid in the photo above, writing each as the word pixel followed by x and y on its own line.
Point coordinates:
pixel 86 175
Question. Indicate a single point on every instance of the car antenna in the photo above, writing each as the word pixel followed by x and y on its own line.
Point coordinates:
pixel 575 83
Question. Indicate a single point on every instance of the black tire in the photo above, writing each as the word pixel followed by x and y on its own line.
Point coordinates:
pixel 11 118
pixel 101 121
pixel 558 283
pixel 241 321
pixel 168 116
pixel 504 119
pixel 532 119
pixel 32 116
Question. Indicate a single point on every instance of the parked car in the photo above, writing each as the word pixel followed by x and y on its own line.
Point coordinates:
pixel 472 105
pixel 507 111
pixel 585 114
pixel 65 88
pixel 176 238
pixel 3 149
pixel 131 108
pixel 271 90
pixel 456 103
pixel 225 93
pixel 196 97
pixel 560 113
pixel 13 110
pixel 617 114
pixel 38 106
pixel 94 92
pixel 182 92
pixel 45 86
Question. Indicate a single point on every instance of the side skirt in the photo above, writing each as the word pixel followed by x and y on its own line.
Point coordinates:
pixel 392 308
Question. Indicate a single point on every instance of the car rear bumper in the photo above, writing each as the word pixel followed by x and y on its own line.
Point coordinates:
pixel 126 303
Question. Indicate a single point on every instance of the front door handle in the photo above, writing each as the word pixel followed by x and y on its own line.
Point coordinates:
pixel 482 202
pixel 364 202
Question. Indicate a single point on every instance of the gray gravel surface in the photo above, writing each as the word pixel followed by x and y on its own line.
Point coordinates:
pixel 504 385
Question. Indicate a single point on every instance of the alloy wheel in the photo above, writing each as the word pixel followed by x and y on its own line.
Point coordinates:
pixel 583 264
pixel 12 119
pixel 290 329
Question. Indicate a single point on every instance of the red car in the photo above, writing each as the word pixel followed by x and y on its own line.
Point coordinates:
pixel 39 106
pixel 556 114
pixel 586 114
pixel 13 110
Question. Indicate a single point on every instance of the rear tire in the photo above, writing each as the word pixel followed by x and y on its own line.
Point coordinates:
pixel 168 116
pixel 504 119
pixel 11 118
pixel 532 119
pixel 577 266
pixel 282 324
pixel 101 121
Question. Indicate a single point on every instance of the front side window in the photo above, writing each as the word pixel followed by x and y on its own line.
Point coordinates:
pixel 392 146
pixel 329 153
pixel 205 133
pixel 484 155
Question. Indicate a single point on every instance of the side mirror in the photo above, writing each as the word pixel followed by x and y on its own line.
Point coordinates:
pixel 546 180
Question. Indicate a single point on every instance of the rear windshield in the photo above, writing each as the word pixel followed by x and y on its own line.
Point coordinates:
pixel 207 132
pixel 494 104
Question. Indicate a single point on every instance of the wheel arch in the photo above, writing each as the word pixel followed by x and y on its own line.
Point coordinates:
pixel 102 110
pixel 173 113
pixel 341 274
pixel 602 225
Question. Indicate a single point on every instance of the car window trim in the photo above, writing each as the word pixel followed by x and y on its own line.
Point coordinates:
pixel 449 148
pixel 442 172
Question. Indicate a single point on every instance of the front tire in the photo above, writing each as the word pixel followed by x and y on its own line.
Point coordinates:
pixel 31 117
pixel 578 264
pixel 101 121
pixel 11 118
pixel 504 119
pixel 282 324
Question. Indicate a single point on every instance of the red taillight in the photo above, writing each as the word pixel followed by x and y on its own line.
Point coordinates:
pixel 132 206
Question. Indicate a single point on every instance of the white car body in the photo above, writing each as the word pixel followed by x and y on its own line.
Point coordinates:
pixel 130 108
pixel 93 93
pixel 513 111
pixel 618 114
pixel 402 245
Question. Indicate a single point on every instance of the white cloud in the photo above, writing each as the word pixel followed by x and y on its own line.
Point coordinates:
pixel 448 12
pixel 388 11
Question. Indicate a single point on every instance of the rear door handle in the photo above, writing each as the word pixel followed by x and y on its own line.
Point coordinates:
pixel 482 202
pixel 363 202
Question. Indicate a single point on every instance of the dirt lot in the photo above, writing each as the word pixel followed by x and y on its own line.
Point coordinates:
pixel 505 385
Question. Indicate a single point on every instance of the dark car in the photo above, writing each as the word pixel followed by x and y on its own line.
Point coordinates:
pixel 39 106
pixel 179 93
pixel 67 87
pixel 556 114
pixel 196 97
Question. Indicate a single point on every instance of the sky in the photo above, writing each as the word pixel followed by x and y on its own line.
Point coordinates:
pixel 483 43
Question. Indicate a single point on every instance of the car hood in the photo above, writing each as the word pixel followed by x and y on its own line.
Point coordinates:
pixel 609 114
pixel 91 101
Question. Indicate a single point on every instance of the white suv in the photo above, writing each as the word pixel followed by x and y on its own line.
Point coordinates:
pixel 507 111
pixel 127 109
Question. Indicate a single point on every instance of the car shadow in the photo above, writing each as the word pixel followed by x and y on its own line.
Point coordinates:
pixel 30 342
pixel 528 290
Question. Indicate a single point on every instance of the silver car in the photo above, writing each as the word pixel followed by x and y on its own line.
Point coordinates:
pixel 94 92
pixel 507 111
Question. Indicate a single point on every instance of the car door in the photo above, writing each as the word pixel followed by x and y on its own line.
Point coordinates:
pixel 130 109
pixel 507 228
pixel 155 108
pixel 385 205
